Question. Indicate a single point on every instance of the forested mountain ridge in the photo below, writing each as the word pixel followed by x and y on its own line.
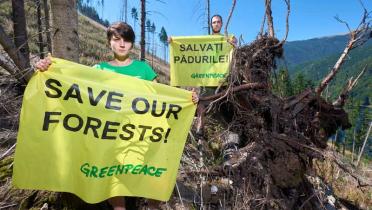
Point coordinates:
pixel 302 51
pixel 358 59
pixel 314 58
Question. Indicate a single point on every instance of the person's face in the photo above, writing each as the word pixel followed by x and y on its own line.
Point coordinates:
pixel 216 24
pixel 120 47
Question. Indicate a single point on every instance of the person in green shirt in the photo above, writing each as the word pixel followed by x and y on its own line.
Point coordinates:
pixel 121 37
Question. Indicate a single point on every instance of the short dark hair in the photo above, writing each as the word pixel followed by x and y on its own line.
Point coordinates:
pixel 219 16
pixel 121 29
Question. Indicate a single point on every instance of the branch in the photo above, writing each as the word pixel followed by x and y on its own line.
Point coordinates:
pixel 247 86
pixel 8 65
pixel 262 25
pixel 362 182
pixel 340 102
pixel 287 2
pixel 16 57
pixel 229 17
pixel 270 23
pixel 357 38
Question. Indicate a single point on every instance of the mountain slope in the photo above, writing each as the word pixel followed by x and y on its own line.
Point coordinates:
pixel 92 39
pixel 358 58
pixel 299 52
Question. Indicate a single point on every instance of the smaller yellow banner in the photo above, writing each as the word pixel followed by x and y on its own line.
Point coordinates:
pixel 199 60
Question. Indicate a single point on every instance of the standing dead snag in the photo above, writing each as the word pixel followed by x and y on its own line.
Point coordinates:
pixel 364 144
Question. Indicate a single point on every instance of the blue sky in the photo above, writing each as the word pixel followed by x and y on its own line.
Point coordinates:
pixel 308 18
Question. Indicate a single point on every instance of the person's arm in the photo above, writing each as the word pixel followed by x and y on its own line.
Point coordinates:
pixel 195 97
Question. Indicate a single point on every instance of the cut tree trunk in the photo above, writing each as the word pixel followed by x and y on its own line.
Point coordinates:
pixel 65 29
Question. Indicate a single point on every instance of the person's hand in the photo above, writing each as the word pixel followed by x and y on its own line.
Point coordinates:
pixel 195 97
pixel 233 41
pixel 44 64
pixel 169 40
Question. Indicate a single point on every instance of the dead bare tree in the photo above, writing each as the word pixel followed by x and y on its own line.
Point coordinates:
pixel 364 144
pixel 19 27
pixel 208 8
pixel 143 30
pixel 357 38
pixel 39 28
pixel 340 102
pixel 47 25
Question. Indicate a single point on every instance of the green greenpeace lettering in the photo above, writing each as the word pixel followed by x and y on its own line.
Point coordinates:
pixel 106 171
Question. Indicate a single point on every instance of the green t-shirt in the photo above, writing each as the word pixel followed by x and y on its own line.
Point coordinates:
pixel 138 69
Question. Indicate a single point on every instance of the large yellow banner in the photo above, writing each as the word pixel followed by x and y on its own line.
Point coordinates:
pixel 99 134
pixel 199 60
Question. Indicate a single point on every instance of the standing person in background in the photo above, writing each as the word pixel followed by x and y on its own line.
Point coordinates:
pixel 121 38
pixel 216 25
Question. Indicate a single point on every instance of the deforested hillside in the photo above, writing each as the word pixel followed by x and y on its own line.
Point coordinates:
pixel 92 39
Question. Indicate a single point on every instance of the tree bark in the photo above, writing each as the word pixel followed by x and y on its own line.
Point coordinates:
pixel 39 28
pixel 20 31
pixel 47 25
pixel 143 19
pixel 336 67
pixel 65 29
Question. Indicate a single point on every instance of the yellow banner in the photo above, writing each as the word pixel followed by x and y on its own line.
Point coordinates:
pixel 199 60
pixel 99 134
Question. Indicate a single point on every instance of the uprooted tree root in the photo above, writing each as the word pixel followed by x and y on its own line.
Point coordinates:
pixel 271 167
pixel 256 151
